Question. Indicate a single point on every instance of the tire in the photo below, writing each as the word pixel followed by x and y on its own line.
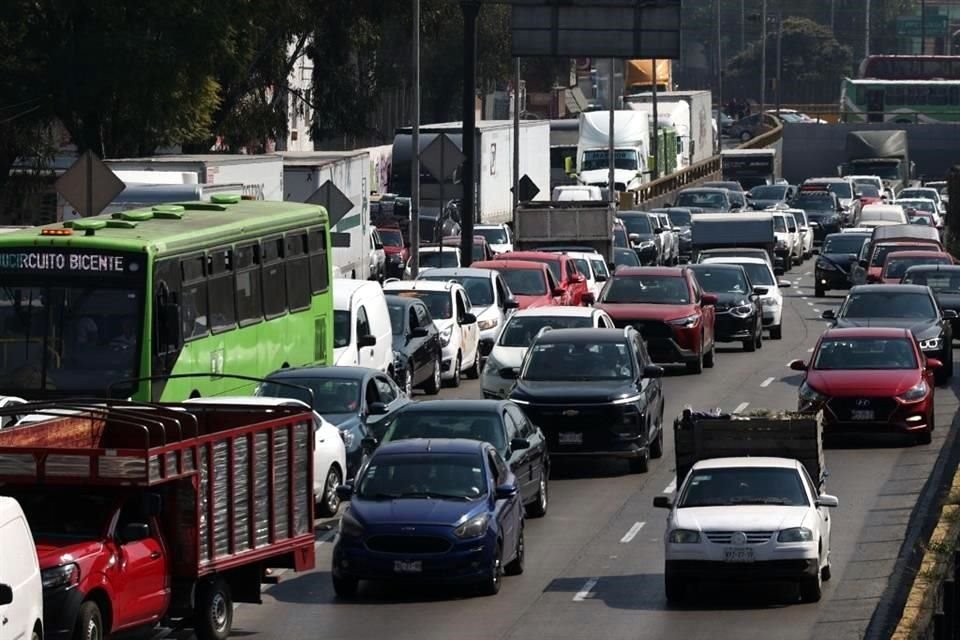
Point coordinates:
pixel 925 437
pixel 759 338
pixel 538 508
pixel 345 586
pixel 213 614
pixel 697 365
pixel 474 371
pixel 432 386
pixel 676 588
pixel 515 567
pixel 750 344
pixel 826 573
pixel 89 622
pixel 811 589
pixel 454 382
pixel 656 447
pixel 788 263
pixel 819 292
pixel 329 502
pixel 639 465
pixel 708 359
pixel 776 333
pixel 491 584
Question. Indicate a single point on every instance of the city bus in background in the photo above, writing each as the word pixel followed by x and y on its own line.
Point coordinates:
pixel 909 67
pixel 902 101
pixel 226 286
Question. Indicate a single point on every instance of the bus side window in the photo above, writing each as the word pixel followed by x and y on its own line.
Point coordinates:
pixel 193 311
pixel 167 282
pixel 319 267
pixel 274 278
pixel 248 286
pixel 298 271
pixel 223 312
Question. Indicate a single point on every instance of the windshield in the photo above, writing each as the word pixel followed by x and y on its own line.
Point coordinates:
pixel 909 194
pixel 842 189
pixel 68 513
pixel 705 199
pixel 923 205
pixel 391 237
pixel 721 279
pixel 945 281
pixel 470 425
pixel 649 289
pixel 493 235
pixel 743 485
pixel 560 361
pixel 440 476
pixel 897 267
pixel 554 266
pixel 625 258
pixel 637 224
pixel 600 159
pixel 438 302
pixel 774 192
pixel 341 329
pixel 869 190
pixel 779 224
pixel 521 331
pixel 679 218
pixel 865 353
pixel 599 267
pixel 436 259
pixel 883 170
pixel 888 304
pixel 922 220
pixel 880 251
pixel 525 282
pixel 813 202
pixel 479 290
pixel 844 243
pixel 760 274
pixel 398 317
pixel 330 395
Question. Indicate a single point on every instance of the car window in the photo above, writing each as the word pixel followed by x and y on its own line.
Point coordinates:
pixel 363 323
pixel 423 316
pixel 387 391
pixel 642 355
pixel 571 269
pixel 413 322
pixel 461 307
pixel 513 430
pixel 525 426
pixel 499 467
pixel 371 393
pixel 808 481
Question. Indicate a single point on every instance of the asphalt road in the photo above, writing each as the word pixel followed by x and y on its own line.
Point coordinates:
pixel 595 564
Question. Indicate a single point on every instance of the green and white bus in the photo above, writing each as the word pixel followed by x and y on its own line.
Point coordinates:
pixel 903 101
pixel 229 286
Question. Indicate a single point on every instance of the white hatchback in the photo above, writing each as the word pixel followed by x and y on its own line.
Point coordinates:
pixel 763 513
pixel 761 275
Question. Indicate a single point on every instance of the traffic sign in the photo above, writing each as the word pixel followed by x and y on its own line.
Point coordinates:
pixel 528 189
pixel 330 197
pixel 441 158
pixel 913 26
pixel 89 185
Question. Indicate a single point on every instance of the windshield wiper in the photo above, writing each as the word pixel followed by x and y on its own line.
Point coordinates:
pixel 704 504
pixel 379 496
pixel 430 495
pixel 781 501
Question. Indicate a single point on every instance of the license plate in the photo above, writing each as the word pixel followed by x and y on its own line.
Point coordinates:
pixel 738 554
pixel 862 414
pixel 399 566
pixel 571 438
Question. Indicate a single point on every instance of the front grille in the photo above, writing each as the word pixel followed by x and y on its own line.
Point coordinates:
pixel 843 408
pixel 648 328
pixel 724 537
pixel 408 544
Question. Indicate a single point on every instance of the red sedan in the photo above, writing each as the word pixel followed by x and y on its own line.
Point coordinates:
pixel 532 283
pixel 880 250
pixel 564 269
pixel 668 308
pixel 869 380
pixel 896 264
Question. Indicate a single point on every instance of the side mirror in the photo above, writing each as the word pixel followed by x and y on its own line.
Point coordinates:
pixel 662 502
pixel 377 409
pixel 784 285
pixel 589 298
pixel 761 291
pixel 509 373
pixel 134 532
pixel 826 500
pixel 519 444
pixel 506 491
pixel 419 332
pixel 652 371
pixel 468 318
pixel 511 303
pixel 949 314
pixel 345 491
pixel 829 314
pixel 368 444
pixel 485 346
pixel 933 364
pixel 366 341
pixel 708 300
pixel 578 279
pixel 6 594
pixel 558 291
pixel 862 263
pixel 798 365
pixel 658 230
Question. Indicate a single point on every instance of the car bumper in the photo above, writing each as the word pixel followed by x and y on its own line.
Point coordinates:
pixel 493 387
pixel 668 351
pixel 904 418
pixel 60 609
pixel 831 279
pixel 464 563
pixel 780 569
pixel 729 328
pixel 448 356
pixel 771 315
pixel 609 431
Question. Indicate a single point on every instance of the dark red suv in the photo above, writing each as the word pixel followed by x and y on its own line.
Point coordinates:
pixel 564 269
pixel 668 308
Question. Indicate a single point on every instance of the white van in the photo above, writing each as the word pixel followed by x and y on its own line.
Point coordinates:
pixel 21 588
pixel 362 334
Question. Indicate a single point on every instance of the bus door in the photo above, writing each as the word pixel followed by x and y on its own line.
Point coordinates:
pixel 875 105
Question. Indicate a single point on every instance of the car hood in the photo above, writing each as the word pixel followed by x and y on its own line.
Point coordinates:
pixel 763 204
pixel 53 552
pixel 530 302
pixel 501 248
pixel 508 357
pixel 572 391
pixel 602 176
pixel 341 420
pixel 414 511
pixel 921 329
pixel 485 313
pixel 662 312
pixel 391 250
pixel 847 383
pixel 740 518
pixel 344 356
pixel 727 300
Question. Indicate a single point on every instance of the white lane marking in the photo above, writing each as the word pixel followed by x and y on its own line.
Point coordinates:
pixel 810 350
pixel 741 407
pixel 804 298
pixel 670 488
pixel 584 593
pixel 632 533
pixel 815 310
pixel 808 273
pixel 809 304
pixel 766 383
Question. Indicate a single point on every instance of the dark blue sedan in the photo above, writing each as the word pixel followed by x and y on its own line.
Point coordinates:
pixel 431 511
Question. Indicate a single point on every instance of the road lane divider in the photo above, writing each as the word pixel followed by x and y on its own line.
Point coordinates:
pixel 670 488
pixel 584 593
pixel 766 383
pixel 632 532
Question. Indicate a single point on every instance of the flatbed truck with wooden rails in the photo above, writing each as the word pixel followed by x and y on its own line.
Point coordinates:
pixel 148 513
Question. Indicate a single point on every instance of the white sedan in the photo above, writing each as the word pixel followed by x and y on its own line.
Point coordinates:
pixel 748 518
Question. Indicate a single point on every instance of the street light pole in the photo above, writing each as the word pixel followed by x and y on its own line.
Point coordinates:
pixel 415 151
pixel 719 78
pixel 779 59
pixel 471 9
pixel 763 59
pixel 866 48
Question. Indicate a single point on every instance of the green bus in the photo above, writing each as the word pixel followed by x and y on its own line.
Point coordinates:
pixel 903 101
pixel 229 286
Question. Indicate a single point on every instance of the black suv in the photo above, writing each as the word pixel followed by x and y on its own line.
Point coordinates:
pixel 593 392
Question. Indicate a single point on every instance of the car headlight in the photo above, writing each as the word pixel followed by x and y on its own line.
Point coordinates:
pixel 686 234
pixel 768 301
pixel 473 528
pixel 917 392
pixel 645 244
pixel 67 576
pixel 488 324
pixel 684 536
pixel 825 266
pixel 810 396
pixel 686 323
pixel 781 244
pixel 742 311
pixel 796 534
pixel 350 527
pixel 445 336
pixel 931 344
pixel 348 438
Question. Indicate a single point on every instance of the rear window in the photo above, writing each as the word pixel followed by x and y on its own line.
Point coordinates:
pixel 649 289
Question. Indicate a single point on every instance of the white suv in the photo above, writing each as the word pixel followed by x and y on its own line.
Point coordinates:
pixel 449 307
pixel 498 236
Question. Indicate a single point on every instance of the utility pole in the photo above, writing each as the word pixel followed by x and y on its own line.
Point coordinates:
pixel 763 60
pixel 866 39
pixel 656 125
pixel 779 59
pixel 611 176
pixel 833 15
pixel 414 234
pixel 470 8
pixel 923 27
pixel 516 134
pixel 743 25
pixel 719 76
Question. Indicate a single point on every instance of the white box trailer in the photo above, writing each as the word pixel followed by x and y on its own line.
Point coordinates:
pixel 260 175
pixel 699 131
pixel 349 171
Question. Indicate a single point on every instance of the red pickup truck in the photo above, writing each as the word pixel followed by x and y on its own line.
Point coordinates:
pixel 145 513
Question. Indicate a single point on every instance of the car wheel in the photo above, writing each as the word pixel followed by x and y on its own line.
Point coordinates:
pixel 640 465
pixel 745 136
pixel 330 501
pixel 825 573
pixel 345 586
pixel 515 567
pixel 89 622
pixel 675 587
pixel 656 447
pixel 697 365
pixel 432 387
pixel 819 292
pixel 788 263
pixel 750 344
pixel 811 589
pixel 759 339
pixel 925 437
pixel 538 508
pixel 455 380
pixel 776 333
pixel 213 617
pixel 491 584
pixel 709 357
pixel 474 371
